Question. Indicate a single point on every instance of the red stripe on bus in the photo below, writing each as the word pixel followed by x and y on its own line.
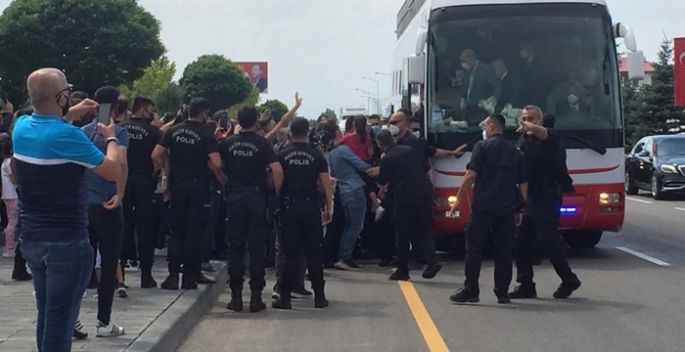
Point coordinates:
pixel 571 172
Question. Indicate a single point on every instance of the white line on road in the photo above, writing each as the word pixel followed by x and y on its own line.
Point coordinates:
pixel 638 200
pixel 643 256
pixel 681 209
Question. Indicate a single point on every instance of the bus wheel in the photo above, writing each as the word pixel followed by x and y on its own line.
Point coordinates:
pixel 583 239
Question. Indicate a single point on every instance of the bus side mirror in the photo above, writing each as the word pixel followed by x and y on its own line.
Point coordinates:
pixel 421 41
pixel 416 67
pixel 636 66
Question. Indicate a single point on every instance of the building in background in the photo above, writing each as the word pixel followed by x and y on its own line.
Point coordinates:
pixel 623 69
pixel 257 73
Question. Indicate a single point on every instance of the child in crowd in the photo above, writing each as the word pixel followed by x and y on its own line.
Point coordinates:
pixel 10 198
pixel 358 139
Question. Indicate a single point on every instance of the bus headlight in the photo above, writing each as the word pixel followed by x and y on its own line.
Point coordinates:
pixel 609 198
pixel 452 200
pixel 669 169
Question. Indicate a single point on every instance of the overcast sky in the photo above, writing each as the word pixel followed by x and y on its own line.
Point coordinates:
pixel 322 48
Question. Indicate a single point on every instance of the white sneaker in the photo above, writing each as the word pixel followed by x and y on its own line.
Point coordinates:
pixel 380 211
pixel 7 254
pixel 108 330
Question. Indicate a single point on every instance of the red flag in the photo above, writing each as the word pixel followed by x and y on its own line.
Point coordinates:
pixel 679 71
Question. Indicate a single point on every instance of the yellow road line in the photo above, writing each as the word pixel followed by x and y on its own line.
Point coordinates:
pixel 428 329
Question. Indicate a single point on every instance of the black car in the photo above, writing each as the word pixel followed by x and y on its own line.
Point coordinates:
pixel 657 164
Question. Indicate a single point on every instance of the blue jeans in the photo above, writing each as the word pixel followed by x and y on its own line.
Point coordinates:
pixel 354 205
pixel 61 271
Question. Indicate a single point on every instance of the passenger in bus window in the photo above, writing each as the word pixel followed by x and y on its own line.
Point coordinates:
pixel 480 84
pixel 511 86
pixel 535 78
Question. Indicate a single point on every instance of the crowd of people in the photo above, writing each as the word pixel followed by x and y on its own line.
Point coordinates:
pixel 88 200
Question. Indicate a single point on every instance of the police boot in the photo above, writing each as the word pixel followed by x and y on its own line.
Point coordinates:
pixel 146 279
pixel 256 303
pixel 320 300
pixel 171 283
pixel 236 303
pixel 283 302
pixel 188 282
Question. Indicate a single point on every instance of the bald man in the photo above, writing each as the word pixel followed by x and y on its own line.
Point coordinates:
pixel 51 160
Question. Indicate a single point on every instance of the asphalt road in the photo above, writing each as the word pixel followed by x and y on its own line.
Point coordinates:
pixel 631 300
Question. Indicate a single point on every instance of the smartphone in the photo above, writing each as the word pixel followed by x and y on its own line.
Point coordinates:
pixel 104 115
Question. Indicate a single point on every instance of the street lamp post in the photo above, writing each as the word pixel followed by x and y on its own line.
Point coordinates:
pixel 378 93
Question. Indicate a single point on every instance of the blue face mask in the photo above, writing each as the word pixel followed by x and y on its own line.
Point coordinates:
pixel 376 129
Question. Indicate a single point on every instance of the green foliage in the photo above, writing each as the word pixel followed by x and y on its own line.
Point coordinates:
pixel 170 99
pixel 331 114
pixel 218 79
pixel 651 109
pixel 95 42
pixel 251 101
pixel 278 109
pixel 155 80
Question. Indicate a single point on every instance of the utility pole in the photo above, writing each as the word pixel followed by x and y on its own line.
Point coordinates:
pixel 378 93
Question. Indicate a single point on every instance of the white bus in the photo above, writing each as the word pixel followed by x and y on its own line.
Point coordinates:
pixel 560 56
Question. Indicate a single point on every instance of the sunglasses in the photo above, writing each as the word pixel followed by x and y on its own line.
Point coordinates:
pixel 68 89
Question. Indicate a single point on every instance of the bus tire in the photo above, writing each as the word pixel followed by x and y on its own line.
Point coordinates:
pixel 583 239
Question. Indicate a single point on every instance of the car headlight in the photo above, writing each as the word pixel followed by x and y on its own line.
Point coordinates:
pixel 609 198
pixel 669 169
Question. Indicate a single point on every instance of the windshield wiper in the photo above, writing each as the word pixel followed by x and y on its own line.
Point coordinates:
pixel 595 147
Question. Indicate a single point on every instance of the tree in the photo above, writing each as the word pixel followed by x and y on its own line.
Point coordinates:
pixel 331 114
pixel 278 109
pixel 251 101
pixel 654 110
pixel 218 79
pixel 170 99
pixel 155 80
pixel 95 42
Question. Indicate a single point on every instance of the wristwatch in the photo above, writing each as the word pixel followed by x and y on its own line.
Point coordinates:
pixel 112 139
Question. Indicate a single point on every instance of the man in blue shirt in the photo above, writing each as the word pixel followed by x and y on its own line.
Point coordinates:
pixel 51 159
pixel 106 222
pixel 345 167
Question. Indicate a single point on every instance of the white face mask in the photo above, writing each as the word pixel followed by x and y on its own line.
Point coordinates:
pixel 573 99
pixel 393 129
pixel 485 134
pixel 416 134
pixel 466 66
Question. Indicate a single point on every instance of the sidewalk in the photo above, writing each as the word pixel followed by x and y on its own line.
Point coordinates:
pixel 155 320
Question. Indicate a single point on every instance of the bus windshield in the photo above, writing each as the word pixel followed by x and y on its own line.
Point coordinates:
pixel 500 58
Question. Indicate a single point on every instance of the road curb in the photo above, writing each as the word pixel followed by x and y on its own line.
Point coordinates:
pixel 167 332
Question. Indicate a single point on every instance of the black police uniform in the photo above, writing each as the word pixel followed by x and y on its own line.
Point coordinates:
pixel 542 211
pixel 496 200
pixel 189 144
pixel 425 151
pixel 301 216
pixel 140 189
pixel 405 171
pixel 246 157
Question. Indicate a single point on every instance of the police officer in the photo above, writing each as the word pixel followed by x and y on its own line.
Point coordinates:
pixel 302 221
pixel 540 147
pixel 140 188
pixel 497 169
pixel 406 174
pixel 192 152
pixel 246 158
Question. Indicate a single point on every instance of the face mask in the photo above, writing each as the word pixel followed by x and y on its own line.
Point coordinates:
pixel 416 134
pixel 65 108
pixel 393 129
pixel 376 129
pixel 573 99
pixel 525 54
pixel 466 66
pixel 485 134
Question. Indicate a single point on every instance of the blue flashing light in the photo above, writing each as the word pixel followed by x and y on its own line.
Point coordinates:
pixel 569 210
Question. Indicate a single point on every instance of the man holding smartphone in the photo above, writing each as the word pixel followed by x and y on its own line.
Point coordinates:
pixel 51 159
pixel 105 215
